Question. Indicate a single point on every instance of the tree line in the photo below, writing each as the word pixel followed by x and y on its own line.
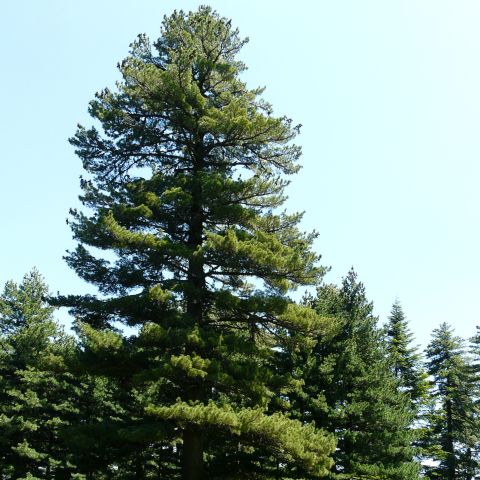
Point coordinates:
pixel 220 374
pixel 66 412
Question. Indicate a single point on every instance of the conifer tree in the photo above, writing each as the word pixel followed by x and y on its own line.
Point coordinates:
pixel 452 427
pixel 475 370
pixel 406 362
pixel 36 398
pixel 183 185
pixel 350 390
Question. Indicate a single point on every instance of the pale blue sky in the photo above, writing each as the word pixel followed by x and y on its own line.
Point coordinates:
pixel 388 93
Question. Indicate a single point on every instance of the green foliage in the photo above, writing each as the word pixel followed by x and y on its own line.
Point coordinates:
pixel 23 306
pixel 453 428
pixel 36 397
pixel 405 360
pixel 182 188
pixel 351 391
pixel 221 376
pixel 288 440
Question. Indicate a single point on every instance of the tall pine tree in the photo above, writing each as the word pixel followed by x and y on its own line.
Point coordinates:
pixel 183 186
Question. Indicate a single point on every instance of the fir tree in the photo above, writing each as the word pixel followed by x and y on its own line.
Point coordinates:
pixel 350 390
pixel 406 361
pixel 452 429
pixel 183 186
pixel 475 371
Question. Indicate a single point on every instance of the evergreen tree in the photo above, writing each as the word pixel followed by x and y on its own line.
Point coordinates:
pixel 475 370
pixel 98 404
pixel 350 390
pixel 452 429
pixel 183 186
pixel 406 362
pixel 36 398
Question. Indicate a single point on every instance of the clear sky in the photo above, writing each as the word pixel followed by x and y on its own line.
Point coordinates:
pixel 388 93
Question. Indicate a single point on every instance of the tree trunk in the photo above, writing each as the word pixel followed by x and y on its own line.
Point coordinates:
pixel 450 445
pixel 192 468
pixel 192 457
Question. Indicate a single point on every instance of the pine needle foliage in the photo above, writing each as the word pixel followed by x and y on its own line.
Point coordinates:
pixel 184 180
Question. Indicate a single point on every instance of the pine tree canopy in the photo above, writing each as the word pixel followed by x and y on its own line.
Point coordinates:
pixel 184 180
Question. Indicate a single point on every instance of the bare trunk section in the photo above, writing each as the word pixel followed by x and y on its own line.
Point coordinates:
pixel 450 448
pixel 192 468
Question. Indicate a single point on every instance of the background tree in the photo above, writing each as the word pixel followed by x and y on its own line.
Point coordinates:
pixel 36 394
pixel 452 428
pixel 183 187
pixel 475 369
pixel 406 361
pixel 350 390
